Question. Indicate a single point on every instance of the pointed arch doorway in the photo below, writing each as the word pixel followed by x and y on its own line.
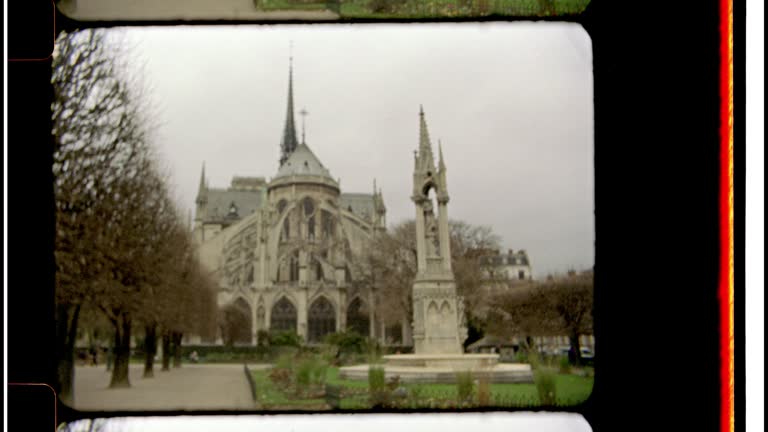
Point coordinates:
pixel 322 320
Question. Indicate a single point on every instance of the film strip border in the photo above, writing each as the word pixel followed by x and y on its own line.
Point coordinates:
pixel 726 282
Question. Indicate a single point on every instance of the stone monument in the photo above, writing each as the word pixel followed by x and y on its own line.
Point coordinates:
pixel 438 326
pixel 439 330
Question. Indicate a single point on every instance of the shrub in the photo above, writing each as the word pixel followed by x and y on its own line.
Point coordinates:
pixel 374 353
pixel 346 347
pixel 521 356
pixel 281 352
pixel 213 353
pixel 319 372
pixel 377 386
pixel 484 391
pixel 281 377
pixel 284 361
pixel 385 6
pixel 565 365
pixel 310 373
pixel 545 386
pixel 376 378
pixel 348 342
pixel 303 375
pixel 534 358
pixel 262 338
pixel 286 338
pixel 465 387
pixel 415 397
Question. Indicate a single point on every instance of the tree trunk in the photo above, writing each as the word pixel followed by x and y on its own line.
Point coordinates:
pixel 176 336
pixel 575 352
pixel 150 349
pixel 66 334
pixel 110 354
pixel 122 351
pixel 166 350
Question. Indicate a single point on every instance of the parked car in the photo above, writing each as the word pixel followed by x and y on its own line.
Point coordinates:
pixel 586 353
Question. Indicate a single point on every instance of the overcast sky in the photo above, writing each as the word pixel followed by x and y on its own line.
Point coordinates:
pixel 512 104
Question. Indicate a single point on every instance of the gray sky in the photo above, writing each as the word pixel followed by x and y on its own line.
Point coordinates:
pixel 511 103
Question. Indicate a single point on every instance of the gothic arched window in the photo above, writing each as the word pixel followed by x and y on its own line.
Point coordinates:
pixel 326 220
pixel 260 314
pixel 319 271
pixel 309 206
pixel 249 274
pixel 281 206
pixel 311 228
pixel 283 316
pixel 294 268
pixel 358 320
pixel 237 322
pixel 322 320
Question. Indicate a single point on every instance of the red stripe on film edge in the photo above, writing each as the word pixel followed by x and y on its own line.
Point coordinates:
pixel 725 287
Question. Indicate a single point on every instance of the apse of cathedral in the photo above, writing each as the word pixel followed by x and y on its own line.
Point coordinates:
pixel 281 249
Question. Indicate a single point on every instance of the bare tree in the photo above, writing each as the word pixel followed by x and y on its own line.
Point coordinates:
pixel 99 142
pixel 389 267
pixel 519 311
pixel 188 301
pixel 166 245
pixel 570 303
pixel 132 248
pixel 121 247
pixel 554 307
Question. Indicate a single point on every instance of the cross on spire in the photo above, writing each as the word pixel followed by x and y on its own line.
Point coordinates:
pixel 303 113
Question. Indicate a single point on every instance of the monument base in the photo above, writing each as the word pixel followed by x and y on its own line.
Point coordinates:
pixel 442 368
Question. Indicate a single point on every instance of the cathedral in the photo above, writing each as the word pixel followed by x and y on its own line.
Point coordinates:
pixel 281 248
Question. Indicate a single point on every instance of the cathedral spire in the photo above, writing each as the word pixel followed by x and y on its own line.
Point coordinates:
pixel 201 190
pixel 202 197
pixel 289 141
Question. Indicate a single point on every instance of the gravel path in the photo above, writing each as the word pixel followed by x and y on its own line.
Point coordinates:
pixel 191 387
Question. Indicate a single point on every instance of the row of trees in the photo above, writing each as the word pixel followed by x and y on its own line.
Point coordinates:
pixel 558 305
pixel 553 307
pixel 122 250
pixel 389 266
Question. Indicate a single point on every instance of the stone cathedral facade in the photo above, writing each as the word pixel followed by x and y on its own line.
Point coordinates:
pixel 281 248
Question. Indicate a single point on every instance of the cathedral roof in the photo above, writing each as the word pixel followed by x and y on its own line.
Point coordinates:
pixel 303 162
pixel 360 204
pixel 220 201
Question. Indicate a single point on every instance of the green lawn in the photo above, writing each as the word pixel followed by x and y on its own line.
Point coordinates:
pixel 571 390
pixel 271 5
pixel 270 396
pixel 378 9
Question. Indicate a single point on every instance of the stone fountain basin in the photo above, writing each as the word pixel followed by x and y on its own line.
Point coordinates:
pixel 452 361
pixel 443 368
